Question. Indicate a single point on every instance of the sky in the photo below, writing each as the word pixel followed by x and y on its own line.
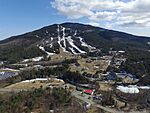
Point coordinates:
pixel 21 16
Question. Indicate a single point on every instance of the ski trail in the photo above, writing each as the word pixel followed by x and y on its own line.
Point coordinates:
pixel 70 40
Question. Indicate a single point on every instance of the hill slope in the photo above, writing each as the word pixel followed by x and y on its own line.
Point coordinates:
pixel 68 37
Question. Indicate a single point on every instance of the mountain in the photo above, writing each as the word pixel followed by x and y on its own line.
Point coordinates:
pixel 72 38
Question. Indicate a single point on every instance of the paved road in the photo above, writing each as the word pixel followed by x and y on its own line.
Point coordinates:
pixel 85 99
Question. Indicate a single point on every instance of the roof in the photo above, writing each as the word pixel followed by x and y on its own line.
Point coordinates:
pixel 89 91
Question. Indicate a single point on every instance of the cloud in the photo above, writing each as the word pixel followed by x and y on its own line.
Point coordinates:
pixel 73 9
pixel 128 13
pixel 105 15
pixel 93 24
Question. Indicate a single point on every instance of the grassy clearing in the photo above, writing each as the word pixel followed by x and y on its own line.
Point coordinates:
pixel 34 84
pixel 62 56
pixel 105 87
pixel 28 85
pixel 89 66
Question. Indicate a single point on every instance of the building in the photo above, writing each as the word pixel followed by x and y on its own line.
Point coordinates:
pixel 89 92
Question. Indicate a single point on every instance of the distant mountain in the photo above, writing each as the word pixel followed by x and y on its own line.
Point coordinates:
pixel 74 38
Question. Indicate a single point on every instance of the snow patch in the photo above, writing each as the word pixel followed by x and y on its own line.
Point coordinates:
pixel 96 67
pixel 144 87
pixel 52 38
pixel 51 45
pixel 82 42
pixel 63 38
pixel 70 40
pixel 37 36
pixel 140 87
pixel 85 44
pixel 46 31
pixel 59 39
pixel 37 79
pixel 48 53
pixel 36 59
pixel 75 33
pixel 41 79
pixel 121 51
pixel 72 50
